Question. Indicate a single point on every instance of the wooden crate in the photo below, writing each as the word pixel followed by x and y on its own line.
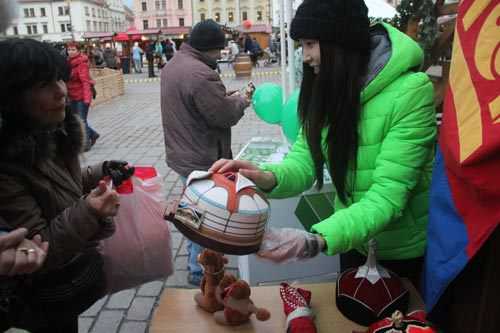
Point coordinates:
pixel 108 84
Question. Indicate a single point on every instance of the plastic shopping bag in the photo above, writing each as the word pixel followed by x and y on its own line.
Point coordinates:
pixel 140 251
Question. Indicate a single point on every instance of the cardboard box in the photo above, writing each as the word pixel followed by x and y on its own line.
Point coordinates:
pixel 315 207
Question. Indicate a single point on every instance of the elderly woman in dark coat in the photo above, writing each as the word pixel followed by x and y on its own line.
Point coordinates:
pixel 44 190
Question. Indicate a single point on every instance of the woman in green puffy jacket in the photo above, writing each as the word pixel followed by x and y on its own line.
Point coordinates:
pixel 368 115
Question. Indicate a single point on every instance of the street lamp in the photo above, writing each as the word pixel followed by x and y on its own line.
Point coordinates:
pixel 71 21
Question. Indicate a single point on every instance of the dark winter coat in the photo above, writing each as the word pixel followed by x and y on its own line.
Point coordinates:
pixel 197 113
pixel 42 189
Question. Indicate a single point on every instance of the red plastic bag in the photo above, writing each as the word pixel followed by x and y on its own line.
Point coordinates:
pixel 140 251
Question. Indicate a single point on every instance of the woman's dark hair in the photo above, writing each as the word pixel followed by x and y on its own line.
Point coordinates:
pixel 25 63
pixel 331 101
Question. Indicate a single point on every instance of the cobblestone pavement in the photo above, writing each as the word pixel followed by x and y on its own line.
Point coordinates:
pixel 130 128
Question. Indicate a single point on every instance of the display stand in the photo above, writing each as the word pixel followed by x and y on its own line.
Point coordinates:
pixel 177 312
pixel 257 271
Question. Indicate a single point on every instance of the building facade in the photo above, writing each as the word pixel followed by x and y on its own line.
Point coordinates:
pixel 233 12
pixel 129 18
pixel 157 14
pixel 65 20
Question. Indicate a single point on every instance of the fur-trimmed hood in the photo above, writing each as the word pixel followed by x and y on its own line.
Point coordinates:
pixel 21 144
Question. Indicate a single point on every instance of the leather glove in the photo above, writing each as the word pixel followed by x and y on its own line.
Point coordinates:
pixel 118 171
pixel 288 244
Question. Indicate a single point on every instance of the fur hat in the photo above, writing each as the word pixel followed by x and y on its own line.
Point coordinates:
pixel 207 35
pixel 343 22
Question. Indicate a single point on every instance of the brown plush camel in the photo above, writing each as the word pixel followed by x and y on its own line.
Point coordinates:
pixel 213 272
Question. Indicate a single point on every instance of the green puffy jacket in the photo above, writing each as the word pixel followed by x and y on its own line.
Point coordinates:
pixel 396 148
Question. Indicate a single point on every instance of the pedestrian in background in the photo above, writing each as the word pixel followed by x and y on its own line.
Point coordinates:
pixel 80 91
pixel 137 53
pixel 197 112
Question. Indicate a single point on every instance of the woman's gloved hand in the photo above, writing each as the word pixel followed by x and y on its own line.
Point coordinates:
pixel 117 170
pixel 287 244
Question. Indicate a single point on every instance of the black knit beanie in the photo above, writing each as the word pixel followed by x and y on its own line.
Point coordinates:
pixel 343 22
pixel 207 35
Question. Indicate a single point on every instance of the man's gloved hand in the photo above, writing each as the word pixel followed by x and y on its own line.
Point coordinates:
pixel 117 170
pixel 288 244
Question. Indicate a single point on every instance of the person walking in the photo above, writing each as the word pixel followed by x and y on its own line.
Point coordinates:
pixel 137 53
pixel 197 112
pixel 79 90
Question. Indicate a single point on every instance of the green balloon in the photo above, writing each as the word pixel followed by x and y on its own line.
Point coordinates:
pixel 267 102
pixel 290 118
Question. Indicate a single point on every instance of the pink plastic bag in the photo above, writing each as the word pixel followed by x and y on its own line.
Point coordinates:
pixel 140 251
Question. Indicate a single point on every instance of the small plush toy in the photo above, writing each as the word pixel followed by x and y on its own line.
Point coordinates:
pixel 213 272
pixel 238 307
pixel 226 281
pixel 297 308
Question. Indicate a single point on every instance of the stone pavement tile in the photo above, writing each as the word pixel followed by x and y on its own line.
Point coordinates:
pixel 108 321
pixel 176 238
pixel 121 300
pixel 151 289
pixel 84 324
pixel 133 327
pixel 95 308
pixel 180 263
pixel 141 308
pixel 178 280
pixel 183 248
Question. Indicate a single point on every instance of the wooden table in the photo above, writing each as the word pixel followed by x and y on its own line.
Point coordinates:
pixel 177 312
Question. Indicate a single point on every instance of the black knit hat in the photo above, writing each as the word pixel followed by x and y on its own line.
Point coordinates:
pixel 343 22
pixel 207 35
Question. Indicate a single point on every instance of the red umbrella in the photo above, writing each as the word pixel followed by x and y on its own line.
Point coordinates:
pixel 121 37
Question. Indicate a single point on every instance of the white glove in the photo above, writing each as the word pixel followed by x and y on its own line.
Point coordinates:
pixel 284 245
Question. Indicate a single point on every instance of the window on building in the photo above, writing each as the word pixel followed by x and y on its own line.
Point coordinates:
pixel 89 27
pixel 244 16
pixel 145 24
pixel 35 29
pixel 98 12
pixel 158 23
pixel 144 6
pixel 157 4
pixel 202 16
pixel 259 15
pixel 180 4
pixel 181 22
pixel 32 12
pixel 165 23
pixel 87 12
pixel 45 28
pixel 230 17
pixel 163 4
pixel 42 12
pixel 100 26
pixel 16 30
pixel 93 12
pixel 26 12
pixel 63 27
pixel 28 29
pixel 66 10
pixel 95 25
pixel 217 17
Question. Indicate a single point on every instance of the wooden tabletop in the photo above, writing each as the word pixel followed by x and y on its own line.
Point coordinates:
pixel 177 312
